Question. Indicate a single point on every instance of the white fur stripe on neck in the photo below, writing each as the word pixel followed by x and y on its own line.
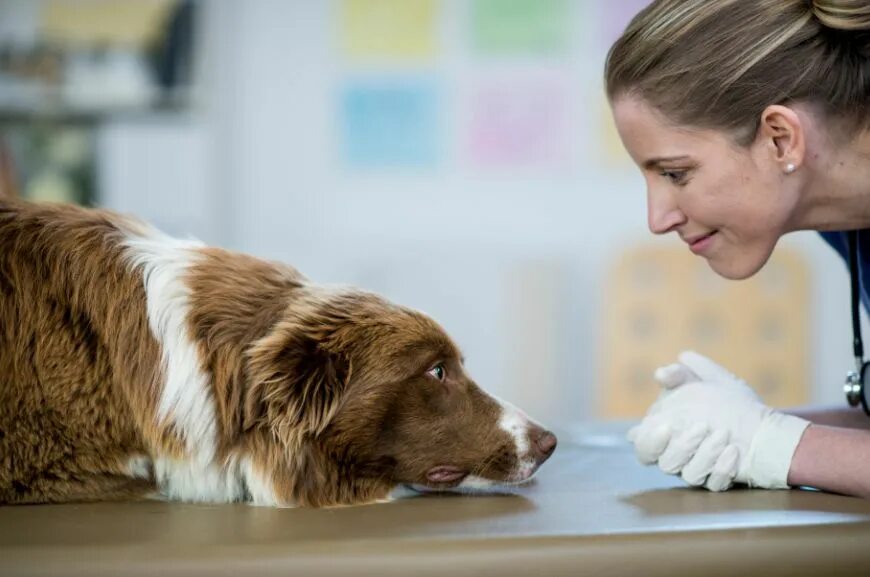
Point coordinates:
pixel 186 399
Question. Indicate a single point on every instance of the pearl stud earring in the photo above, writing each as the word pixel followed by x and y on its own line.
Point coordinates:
pixel 789 168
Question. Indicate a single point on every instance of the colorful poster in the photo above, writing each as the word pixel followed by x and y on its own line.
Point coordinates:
pixel 521 122
pixel 520 26
pixel 389 29
pixel 390 124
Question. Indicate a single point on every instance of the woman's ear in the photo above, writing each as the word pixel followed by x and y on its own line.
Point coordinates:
pixel 782 131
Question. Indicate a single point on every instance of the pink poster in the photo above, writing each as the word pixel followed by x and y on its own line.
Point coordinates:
pixel 521 122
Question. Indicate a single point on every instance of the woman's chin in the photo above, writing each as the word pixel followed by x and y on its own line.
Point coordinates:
pixel 737 265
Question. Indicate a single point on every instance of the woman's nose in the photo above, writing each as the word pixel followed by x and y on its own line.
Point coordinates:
pixel 663 213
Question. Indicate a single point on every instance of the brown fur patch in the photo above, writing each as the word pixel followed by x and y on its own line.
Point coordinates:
pixel 78 367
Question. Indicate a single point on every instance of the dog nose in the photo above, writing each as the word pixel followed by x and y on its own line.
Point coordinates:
pixel 547 443
pixel 543 444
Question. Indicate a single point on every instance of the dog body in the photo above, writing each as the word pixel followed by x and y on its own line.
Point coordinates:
pixel 132 363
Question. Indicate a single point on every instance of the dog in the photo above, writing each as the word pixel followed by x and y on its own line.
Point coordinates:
pixel 134 364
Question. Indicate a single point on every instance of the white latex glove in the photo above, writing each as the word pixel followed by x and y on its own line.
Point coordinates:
pixel 712 429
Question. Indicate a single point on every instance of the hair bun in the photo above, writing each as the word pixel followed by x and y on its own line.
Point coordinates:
pixel 850 15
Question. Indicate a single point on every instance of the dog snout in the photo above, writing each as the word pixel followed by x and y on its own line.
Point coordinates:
pixel 543 444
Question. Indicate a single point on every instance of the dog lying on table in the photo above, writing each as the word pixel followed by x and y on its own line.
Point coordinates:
pixel 134 364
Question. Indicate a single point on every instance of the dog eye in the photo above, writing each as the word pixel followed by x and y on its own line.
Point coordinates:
pixel 437 372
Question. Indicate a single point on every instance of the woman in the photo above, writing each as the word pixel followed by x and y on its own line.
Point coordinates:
pixel 749 119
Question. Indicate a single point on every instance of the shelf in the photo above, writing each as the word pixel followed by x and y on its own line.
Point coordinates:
pixel 55 110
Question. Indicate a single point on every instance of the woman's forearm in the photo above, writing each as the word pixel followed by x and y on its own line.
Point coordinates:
pixel 840 416
pixel 832 459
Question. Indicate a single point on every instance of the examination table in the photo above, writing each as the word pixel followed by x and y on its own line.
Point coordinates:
pixel 592 511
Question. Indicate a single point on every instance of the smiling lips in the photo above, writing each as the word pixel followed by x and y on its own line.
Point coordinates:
pixel 699 244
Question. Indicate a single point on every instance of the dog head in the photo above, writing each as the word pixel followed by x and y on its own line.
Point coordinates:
pixel 376 395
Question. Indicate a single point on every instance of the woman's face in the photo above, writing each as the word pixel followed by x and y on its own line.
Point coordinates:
pixel 728 203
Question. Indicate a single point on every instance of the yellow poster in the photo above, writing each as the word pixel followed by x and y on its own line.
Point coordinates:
pixel 391 29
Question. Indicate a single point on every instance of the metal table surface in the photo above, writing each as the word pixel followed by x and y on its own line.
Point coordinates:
pixel 593 510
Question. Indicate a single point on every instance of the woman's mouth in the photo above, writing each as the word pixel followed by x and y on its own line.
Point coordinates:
pixel 701 244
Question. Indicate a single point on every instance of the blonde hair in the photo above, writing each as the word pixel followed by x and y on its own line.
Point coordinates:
pixel 720 63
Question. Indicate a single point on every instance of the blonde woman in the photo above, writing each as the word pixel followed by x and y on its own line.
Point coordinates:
pixel 749 119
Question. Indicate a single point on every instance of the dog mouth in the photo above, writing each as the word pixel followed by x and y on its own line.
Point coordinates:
pixel 441 479
pixel 446 475
pixel 450 478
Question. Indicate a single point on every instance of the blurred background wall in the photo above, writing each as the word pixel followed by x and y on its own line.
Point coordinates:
pixel 455 155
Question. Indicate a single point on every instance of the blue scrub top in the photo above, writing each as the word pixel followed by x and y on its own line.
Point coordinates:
pixel 840 241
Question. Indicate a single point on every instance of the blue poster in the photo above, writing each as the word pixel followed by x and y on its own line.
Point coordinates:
pixel 390 124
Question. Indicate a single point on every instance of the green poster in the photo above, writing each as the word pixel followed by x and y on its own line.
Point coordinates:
pixel 520 26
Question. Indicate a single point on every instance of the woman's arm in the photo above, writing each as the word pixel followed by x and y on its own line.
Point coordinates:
pixel 832 459
pixel 849 417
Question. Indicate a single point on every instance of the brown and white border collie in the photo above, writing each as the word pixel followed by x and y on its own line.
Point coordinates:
pixel 135 364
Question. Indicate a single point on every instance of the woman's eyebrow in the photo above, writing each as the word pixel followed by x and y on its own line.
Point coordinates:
pixel 652 162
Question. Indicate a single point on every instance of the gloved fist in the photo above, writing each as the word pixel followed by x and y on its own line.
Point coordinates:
pixel 712 429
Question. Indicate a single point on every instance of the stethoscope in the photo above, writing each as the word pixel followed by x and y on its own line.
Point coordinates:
pixel 856 386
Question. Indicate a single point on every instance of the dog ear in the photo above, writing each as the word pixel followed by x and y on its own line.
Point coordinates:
pixel 295 383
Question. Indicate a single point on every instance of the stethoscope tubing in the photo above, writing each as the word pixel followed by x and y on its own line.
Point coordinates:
pixel 859 387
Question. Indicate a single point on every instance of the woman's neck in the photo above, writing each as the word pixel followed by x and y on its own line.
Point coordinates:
pixel 837 191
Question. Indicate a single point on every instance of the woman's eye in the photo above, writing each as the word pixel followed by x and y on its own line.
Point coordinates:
pixel 437 372
pixel 675 176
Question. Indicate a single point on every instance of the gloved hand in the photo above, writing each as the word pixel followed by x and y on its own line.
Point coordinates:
pixel 712 429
